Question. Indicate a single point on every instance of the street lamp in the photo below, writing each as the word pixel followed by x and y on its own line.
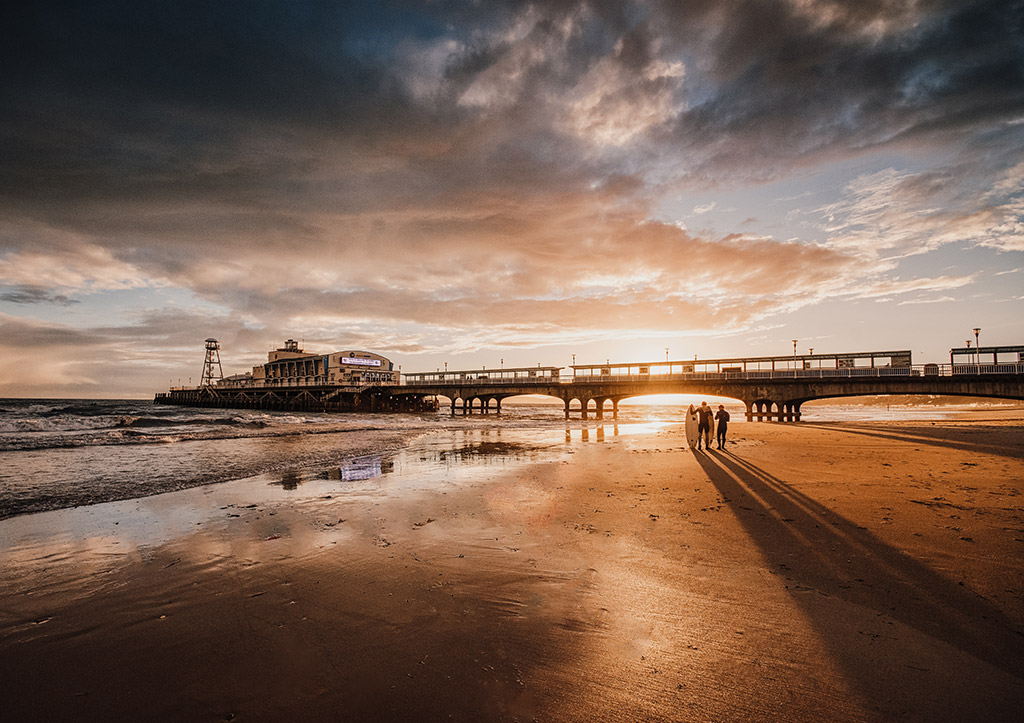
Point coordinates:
pixel 794 357
pixel 666 353
pixel 977 346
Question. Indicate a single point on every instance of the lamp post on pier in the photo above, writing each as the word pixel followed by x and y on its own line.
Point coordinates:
pixel 977 347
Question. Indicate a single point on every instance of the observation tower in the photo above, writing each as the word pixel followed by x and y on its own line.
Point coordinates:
pixel 212 370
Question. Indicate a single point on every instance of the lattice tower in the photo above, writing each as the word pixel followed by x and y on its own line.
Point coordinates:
pixel 212 370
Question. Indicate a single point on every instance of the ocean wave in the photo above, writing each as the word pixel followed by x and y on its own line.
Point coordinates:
pixel 133 436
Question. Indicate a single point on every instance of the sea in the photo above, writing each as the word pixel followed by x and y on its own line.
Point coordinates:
pixel 61 453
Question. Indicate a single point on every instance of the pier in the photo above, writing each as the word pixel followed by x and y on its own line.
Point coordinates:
pixel 772 388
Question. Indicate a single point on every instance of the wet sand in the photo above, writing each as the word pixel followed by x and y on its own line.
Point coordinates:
pixel 842 572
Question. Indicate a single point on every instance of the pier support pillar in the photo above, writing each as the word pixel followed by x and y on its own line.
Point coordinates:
pixel 750 411
pixel 498 402
pixel 615 409
pixel 566 408
pixel 600 409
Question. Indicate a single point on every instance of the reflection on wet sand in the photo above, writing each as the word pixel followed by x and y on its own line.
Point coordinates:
pixel 511 576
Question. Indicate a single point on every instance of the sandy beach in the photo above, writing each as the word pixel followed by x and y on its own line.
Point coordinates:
pixel 815 571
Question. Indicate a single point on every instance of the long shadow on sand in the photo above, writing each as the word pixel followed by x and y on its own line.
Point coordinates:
pixel 981 439
pixel 819 550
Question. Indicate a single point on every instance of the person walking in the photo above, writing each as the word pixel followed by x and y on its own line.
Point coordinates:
pixel 723 425
pixel 705 421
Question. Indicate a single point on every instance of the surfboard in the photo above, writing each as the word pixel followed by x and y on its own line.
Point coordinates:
pixel 691 427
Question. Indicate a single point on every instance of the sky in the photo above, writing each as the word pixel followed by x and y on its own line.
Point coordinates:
pixel 502 183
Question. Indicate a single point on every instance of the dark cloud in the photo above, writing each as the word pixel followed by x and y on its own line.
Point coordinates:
pixel 265 107
pixel 786 81
pixel 35 295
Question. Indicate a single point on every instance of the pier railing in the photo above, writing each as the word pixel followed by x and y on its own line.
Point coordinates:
pixel 923 370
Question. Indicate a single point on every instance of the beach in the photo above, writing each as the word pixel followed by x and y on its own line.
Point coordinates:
pixel 842 571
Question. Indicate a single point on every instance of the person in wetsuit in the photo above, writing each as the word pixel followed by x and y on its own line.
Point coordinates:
pixel 722 417
pixel 705 421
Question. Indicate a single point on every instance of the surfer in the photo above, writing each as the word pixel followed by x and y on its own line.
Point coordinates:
pixel 722 417
pixel 705 421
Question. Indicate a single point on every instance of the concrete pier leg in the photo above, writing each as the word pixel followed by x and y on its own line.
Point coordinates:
pixel 498 402
pixel 600 409
pixel 566 408
pixel 583 408
pixel 615 409
pixel 453 407
pixel 796 411
pixel 750 411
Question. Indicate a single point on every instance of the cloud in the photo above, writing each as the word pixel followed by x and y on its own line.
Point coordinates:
pixel 35 295
pixel 938 300
pixel 902 213
pixel 786 82
pixel 467 175
pixel 889 287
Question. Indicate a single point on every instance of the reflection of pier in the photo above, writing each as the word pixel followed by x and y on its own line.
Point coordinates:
pixel 772 388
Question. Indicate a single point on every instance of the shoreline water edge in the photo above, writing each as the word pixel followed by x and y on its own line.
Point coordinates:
pixel 408 568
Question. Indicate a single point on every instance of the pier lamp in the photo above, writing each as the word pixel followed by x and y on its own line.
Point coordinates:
pixel 666 353
pixel 502 363
pixel 977 344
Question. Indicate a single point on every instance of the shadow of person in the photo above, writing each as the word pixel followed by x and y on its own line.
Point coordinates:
pixel 817 550
pixel 981 437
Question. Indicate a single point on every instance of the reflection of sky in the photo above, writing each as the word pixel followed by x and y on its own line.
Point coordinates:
pixel 95 532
